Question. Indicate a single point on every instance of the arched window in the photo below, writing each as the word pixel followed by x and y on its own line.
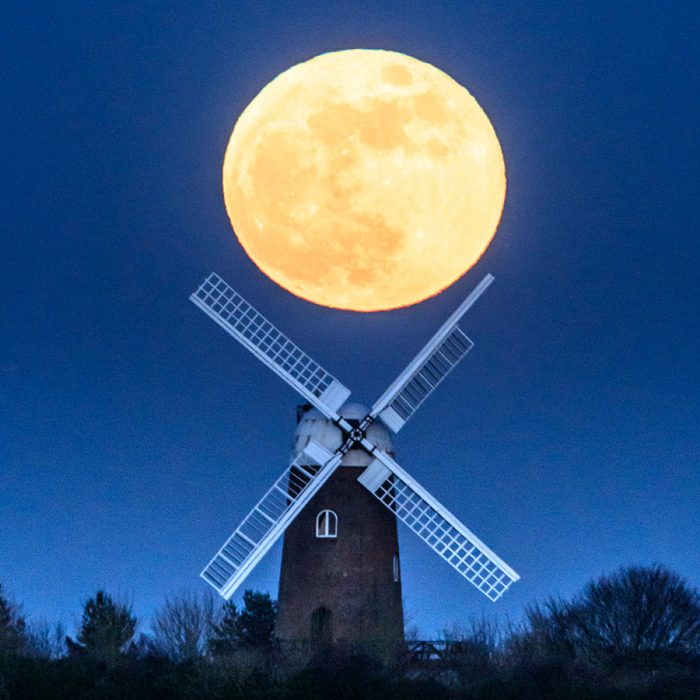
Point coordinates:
pixel 327 524
pixel 395 566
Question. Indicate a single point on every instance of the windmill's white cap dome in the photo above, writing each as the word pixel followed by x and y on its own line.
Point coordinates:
pixel 313 425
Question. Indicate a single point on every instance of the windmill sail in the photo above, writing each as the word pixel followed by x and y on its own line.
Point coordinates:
pixel 384 478
pixel 430 366
pixel 435 525
pixel 263 526
pixel 250 328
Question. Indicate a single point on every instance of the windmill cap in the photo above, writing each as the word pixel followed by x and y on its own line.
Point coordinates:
pixel 313 425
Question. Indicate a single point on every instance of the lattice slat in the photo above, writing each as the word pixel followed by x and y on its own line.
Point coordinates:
pixel 436 526
pixel 428 368
pixel 426 378
pixel 250 328
pixel 269 518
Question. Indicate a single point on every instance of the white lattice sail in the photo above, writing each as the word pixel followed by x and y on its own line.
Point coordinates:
pixel 430 366
pixel 384 478
pixel 436 526
pixel 250 328
pixel 270 517
pixel 425 379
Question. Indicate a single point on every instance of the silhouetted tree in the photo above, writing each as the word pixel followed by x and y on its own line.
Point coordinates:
pixel 634 615
pixel 46 641
pixel 547 636
pixel 253 626
pixel 637 611
pixel 182 627
pixel 106 628
pixel 256 622
pixel 13 628
pixel 225 635
pixel 471 655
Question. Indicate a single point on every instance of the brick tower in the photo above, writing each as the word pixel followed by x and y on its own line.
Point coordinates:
pixel 340 580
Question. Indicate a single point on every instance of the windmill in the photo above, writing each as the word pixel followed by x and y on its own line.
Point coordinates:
pixel 339 437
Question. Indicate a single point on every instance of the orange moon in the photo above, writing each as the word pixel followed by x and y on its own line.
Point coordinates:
pixel 364 180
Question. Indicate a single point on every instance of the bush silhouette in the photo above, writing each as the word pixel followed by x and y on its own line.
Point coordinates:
pixel 631 635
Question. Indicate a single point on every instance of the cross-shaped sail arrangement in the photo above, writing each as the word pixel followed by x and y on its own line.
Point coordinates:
pixel 309 470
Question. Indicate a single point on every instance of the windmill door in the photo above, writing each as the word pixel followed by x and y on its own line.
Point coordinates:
pixel 321 627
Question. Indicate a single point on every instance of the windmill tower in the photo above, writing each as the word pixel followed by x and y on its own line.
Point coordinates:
pixel 340 578
pixel 337 450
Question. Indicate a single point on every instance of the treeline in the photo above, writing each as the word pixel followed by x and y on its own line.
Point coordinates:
pixel 633 635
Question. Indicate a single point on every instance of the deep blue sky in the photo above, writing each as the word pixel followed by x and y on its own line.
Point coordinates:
pixel 134 433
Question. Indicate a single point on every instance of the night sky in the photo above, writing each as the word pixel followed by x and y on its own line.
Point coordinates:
pixel 134 433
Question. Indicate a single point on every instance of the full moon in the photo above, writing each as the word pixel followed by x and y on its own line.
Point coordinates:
pixel 364 180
